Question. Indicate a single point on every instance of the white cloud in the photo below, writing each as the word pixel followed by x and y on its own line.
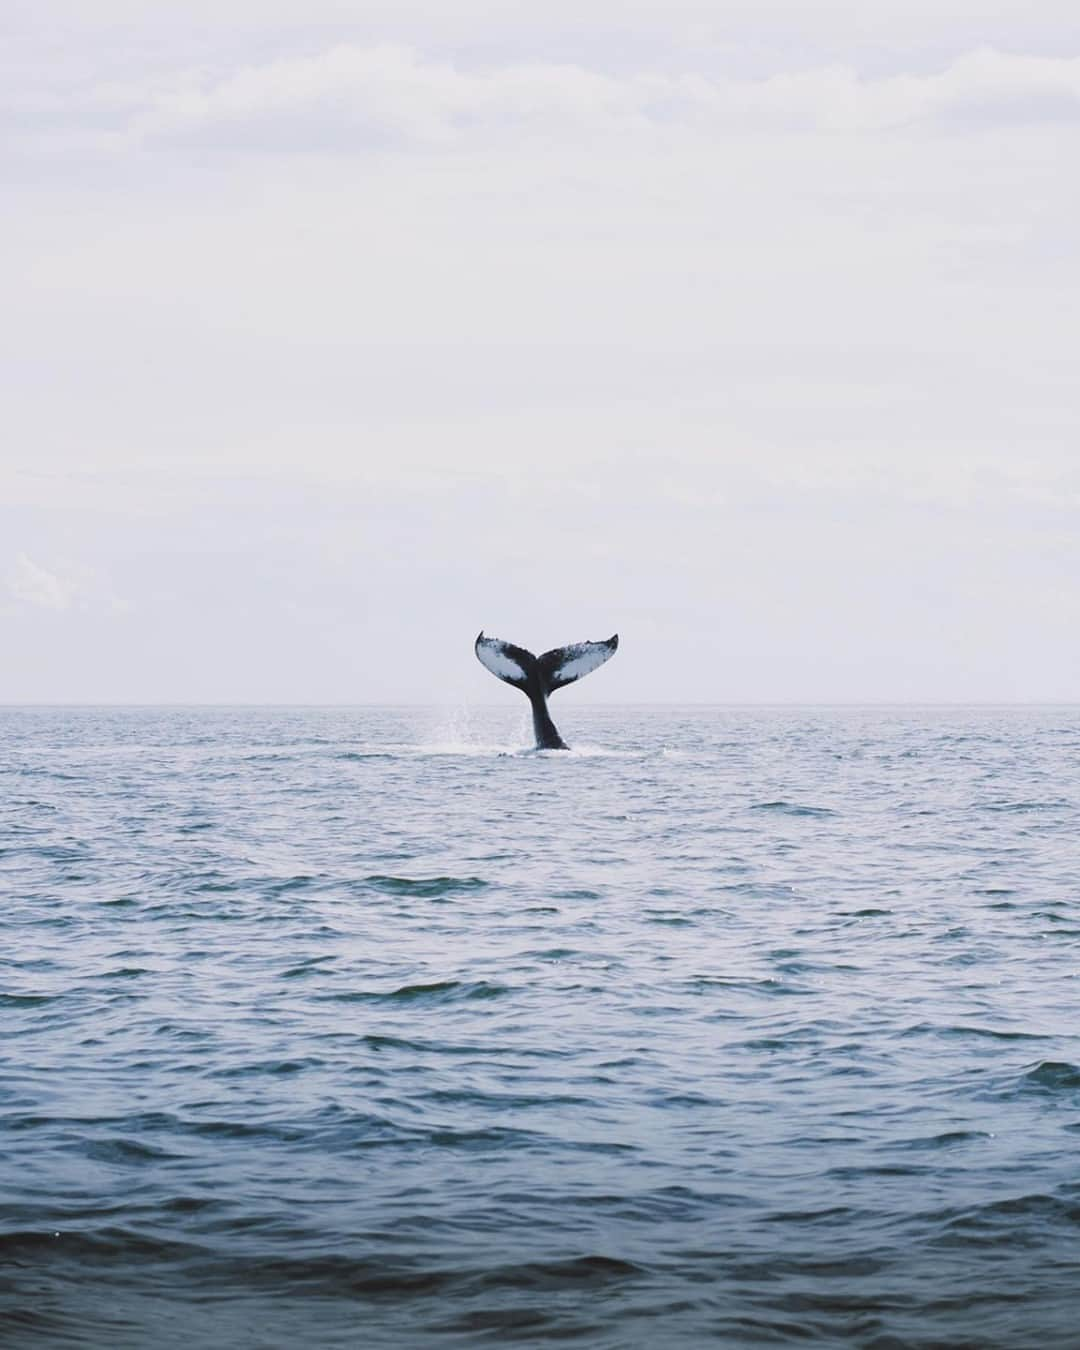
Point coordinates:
pixel 355 98
pixel 67 587
pixel 35 586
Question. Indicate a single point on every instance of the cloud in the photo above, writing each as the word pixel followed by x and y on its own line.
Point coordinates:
pixel 69 588
pixel 354 98
pixel 33 585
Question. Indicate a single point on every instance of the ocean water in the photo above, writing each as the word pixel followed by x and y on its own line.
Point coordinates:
pixel 371 1027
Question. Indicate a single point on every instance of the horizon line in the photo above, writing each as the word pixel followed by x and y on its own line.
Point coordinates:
pixel 623 703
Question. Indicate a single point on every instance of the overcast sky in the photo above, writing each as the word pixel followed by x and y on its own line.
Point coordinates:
pixel 334 332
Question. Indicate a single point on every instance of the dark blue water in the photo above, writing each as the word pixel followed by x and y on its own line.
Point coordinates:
pixel 361 1027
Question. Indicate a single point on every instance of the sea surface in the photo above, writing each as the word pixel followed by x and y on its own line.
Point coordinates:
pixel 374 1027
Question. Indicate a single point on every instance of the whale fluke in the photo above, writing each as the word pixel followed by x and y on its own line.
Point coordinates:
pixel 512 664
pixel 563 665
pixel 539 676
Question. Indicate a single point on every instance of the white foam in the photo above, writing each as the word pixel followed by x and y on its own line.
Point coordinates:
pixel 461 731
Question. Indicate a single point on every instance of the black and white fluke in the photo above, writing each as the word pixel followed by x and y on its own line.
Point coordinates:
pixel 539 676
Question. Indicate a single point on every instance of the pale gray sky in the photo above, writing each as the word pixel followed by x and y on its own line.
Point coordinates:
pixel 334 332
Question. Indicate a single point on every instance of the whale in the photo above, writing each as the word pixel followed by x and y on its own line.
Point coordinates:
pixel 539 676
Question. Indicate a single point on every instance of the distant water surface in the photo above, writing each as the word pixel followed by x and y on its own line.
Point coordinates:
pixel 369 1027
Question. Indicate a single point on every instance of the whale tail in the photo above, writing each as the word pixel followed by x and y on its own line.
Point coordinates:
pixel 539 676
pixel 555 669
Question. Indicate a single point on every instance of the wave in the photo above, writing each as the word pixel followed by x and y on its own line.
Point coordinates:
pixel 1053 1076
pixel 426 888
pixel 421 1024
pixel 784 808
pixel 440 991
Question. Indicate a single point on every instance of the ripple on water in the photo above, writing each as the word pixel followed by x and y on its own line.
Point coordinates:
pixel 334 1023
pixel 782 808
pixel 1053 1076
pixel 426 888
pixel 438 992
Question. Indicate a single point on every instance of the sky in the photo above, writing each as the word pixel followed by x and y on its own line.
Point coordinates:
pixel 335 332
